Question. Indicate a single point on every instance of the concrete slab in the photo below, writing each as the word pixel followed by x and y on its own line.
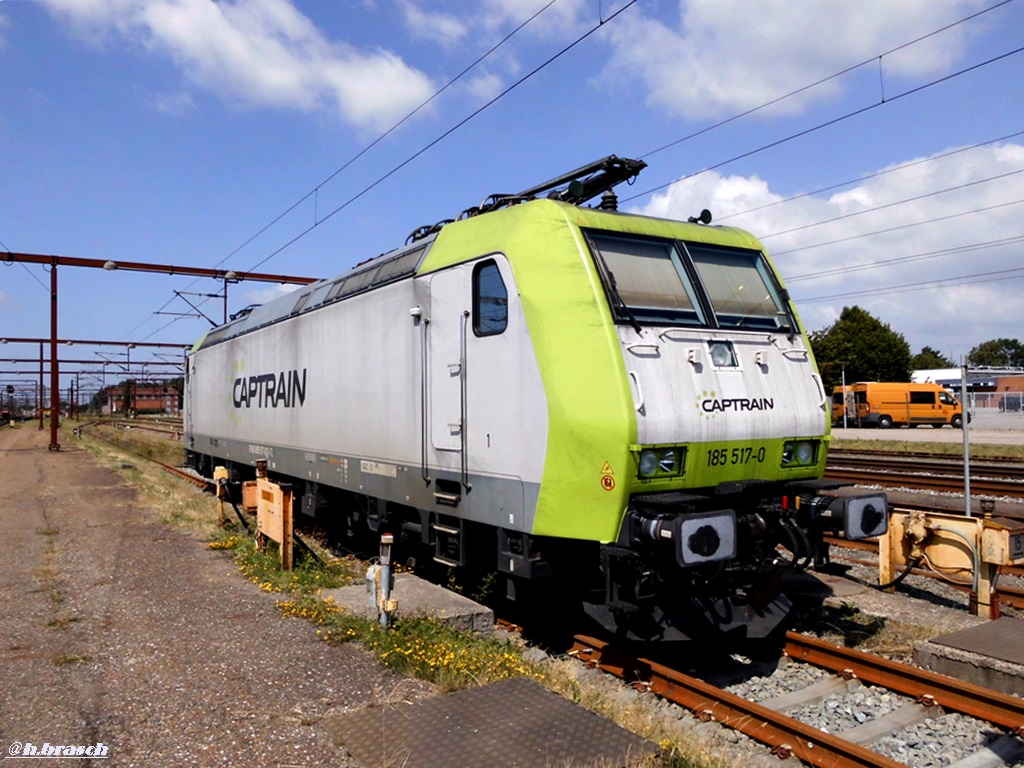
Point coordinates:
pixel 990 654
pixel 508 723
pixel 417 597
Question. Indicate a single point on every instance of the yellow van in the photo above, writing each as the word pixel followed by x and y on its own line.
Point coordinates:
pixel 886 404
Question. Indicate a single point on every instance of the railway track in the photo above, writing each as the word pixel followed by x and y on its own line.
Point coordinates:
pixel 771 721
pixel 1007 595
pixel 921 694
pixel 200 482
pixel 1000 478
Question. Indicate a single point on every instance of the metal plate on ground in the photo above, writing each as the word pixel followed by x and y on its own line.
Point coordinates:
pixel 508 723
pixel 1001 639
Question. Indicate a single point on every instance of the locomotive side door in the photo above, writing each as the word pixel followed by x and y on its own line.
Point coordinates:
pixel 449 307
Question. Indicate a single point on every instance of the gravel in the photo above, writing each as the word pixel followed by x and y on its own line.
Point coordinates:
pixel 122 630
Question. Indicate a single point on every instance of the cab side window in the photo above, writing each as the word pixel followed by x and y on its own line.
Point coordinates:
pixel 490 300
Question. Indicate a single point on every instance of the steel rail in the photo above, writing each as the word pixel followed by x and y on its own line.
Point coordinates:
pixel 1009 595
pixel 967 698
pixel 916 462
pixel 200 482
pixel 834 450
pixel 785 735
pixel 871 545
pixel 987 486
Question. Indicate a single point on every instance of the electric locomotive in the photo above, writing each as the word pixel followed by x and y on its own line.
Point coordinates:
pixel 619 408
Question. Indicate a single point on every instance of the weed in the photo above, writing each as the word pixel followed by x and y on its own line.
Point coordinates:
pixel 66 659
pixel 62 622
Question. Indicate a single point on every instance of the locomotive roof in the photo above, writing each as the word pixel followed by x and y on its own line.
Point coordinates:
pixel 363 277
pixel 413 258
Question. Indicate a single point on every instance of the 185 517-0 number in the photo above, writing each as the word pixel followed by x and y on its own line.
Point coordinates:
pixel 720 457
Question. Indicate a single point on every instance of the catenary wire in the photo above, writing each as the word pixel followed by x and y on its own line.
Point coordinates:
pixel 958 214
pixel 31 274
pixel 391 130
pixel 829 123
pixel 952 282
pixel 893 204
pixel 446 133
pixel 355 157
pixel 822 81
pixel 906 259
pixel 869 176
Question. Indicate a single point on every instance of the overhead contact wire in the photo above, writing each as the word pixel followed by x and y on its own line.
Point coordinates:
pixel 446 134
pixel 355 157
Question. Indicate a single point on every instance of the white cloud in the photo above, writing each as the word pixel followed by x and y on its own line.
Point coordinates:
pixel 177 104
pixel 265 293
pixel 731 55
pixel 562 17
pixel 897 242
pixel 262 53
pixel 447 29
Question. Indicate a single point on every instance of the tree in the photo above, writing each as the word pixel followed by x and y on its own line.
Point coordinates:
pixel 864 347
pixel 929 359
pixel 997 353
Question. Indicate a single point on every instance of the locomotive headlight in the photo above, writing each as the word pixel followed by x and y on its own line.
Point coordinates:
pixel 799 453
pixel 648 463
pixel 669 463
pixel 722 354
pixel 661 462
pixel 705 538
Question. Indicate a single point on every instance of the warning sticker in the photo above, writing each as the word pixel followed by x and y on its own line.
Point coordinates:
pixel 607 469
pixel 608 483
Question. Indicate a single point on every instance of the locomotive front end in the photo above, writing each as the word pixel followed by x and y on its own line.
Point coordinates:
pixel 731 426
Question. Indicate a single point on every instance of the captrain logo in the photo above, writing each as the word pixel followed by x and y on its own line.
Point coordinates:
pixel 285 389
pixel 709 405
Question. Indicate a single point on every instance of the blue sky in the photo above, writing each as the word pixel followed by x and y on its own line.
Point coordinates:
pixel 173 131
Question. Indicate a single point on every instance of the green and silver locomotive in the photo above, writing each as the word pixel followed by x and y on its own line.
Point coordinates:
pixel 622 407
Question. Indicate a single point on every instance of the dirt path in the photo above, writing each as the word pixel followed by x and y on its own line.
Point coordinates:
pixel 119 629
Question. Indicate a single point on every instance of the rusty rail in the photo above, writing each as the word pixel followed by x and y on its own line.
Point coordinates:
pixel 200 482
pixel 785 735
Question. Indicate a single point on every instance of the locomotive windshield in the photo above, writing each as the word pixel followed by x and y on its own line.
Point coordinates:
pixel 654 281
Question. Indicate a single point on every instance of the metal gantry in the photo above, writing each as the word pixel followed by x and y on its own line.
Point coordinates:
pixel 52 262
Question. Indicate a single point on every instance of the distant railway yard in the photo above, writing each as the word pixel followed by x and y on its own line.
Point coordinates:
pixel 846 689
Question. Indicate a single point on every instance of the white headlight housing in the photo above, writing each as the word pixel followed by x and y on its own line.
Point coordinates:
pixel 864 516
pixel 705 538
pixel 799 453
pixel 661 462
